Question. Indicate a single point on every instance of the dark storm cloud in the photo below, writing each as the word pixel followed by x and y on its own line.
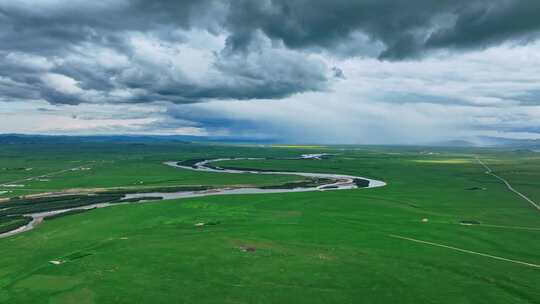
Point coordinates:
pixel 406 28
pixel 70 33
pixel 47 46
pixel 217 121
pixel 489 22
pixel 209 118
pixel 47 22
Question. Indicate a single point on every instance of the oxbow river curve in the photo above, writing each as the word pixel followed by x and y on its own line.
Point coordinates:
pixel 333 182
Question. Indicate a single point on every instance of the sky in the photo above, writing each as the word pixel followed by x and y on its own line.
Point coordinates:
pixel 302 71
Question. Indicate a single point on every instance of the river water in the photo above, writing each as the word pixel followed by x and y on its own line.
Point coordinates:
pixel 339 182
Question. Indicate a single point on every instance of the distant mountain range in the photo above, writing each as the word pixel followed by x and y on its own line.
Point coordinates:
pixel 453 143
pixel 531 144
pixel 486 141
pixel 32 138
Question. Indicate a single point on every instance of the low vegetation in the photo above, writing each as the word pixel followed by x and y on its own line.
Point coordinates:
pixel 9 223
pixel 20 206
pixel 423 238
pixel 308 183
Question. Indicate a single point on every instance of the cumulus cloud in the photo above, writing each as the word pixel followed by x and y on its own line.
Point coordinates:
pixel 140 51
pixel 200 64
pixel 470 95
pixel 405 28
pixel 135 51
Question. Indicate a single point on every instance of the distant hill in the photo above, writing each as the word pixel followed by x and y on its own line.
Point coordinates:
pixel 29 139
pixel 532 144
pixel 453 143
pixel 523 144
pixel 486 141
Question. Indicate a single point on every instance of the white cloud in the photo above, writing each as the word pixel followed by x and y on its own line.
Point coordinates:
pixel 62 83
pixel 29 61
pixel 446 97
pixel 126 79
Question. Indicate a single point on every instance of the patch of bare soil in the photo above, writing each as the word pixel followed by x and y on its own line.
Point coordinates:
pixel 248 248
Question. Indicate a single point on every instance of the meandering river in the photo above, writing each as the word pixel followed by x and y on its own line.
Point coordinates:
pixel 337 182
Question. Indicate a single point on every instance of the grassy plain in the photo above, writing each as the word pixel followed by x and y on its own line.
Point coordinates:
pixel 317 247
pixel 105 165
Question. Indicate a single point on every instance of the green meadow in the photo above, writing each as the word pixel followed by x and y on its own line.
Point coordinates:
pixel 402 243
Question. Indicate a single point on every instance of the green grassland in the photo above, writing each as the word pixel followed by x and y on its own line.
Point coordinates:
pixel 58 167
pixel 314 247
